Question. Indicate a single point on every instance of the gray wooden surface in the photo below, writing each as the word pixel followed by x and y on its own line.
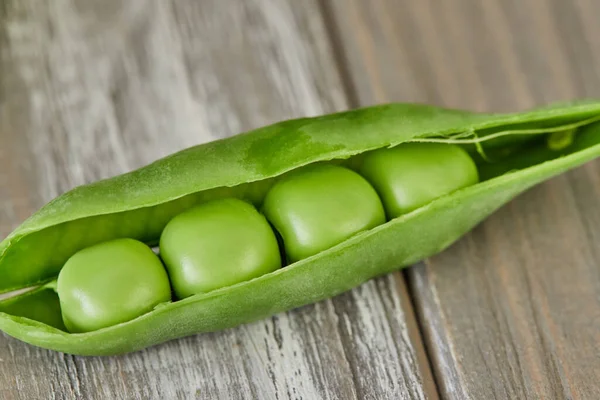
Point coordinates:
pixel 90 89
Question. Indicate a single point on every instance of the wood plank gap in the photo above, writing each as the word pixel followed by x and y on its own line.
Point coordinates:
pixel 415 322
pixel 339 53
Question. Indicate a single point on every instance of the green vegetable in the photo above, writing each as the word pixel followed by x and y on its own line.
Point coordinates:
pixel 411 175
pixel 138 205
pixel 217 244
pixel 110 283
pixel 317 207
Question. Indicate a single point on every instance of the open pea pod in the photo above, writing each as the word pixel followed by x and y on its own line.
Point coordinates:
pixel 513 152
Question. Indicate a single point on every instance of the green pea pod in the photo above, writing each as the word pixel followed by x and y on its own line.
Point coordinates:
pixel 139 204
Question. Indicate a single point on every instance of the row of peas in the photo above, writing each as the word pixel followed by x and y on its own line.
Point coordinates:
pixel 223 242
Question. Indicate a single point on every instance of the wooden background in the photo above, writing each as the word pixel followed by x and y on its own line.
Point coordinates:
pixel 90 89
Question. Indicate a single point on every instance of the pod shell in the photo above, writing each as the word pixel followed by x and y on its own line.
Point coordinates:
pixel 250 157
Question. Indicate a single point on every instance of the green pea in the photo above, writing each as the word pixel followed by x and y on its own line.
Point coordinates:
pixel 218 244
pixel 411 175
pixel 317 207
pixel 314 204
pixel 110 283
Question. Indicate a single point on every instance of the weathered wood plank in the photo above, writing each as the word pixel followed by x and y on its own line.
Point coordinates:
pixel 512 311
pixel 91 89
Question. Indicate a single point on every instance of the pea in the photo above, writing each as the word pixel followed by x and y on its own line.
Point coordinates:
pixel 298 172
pixel 317 207
pixel 110 283
pixel 217 244
pixel 411 175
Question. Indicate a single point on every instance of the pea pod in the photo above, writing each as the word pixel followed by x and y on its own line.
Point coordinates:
pixel 138 205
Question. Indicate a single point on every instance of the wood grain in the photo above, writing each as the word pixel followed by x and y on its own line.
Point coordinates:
pixel 91 89
pixel 512 311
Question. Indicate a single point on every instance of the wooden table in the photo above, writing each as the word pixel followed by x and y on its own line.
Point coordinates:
pixel 90 89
